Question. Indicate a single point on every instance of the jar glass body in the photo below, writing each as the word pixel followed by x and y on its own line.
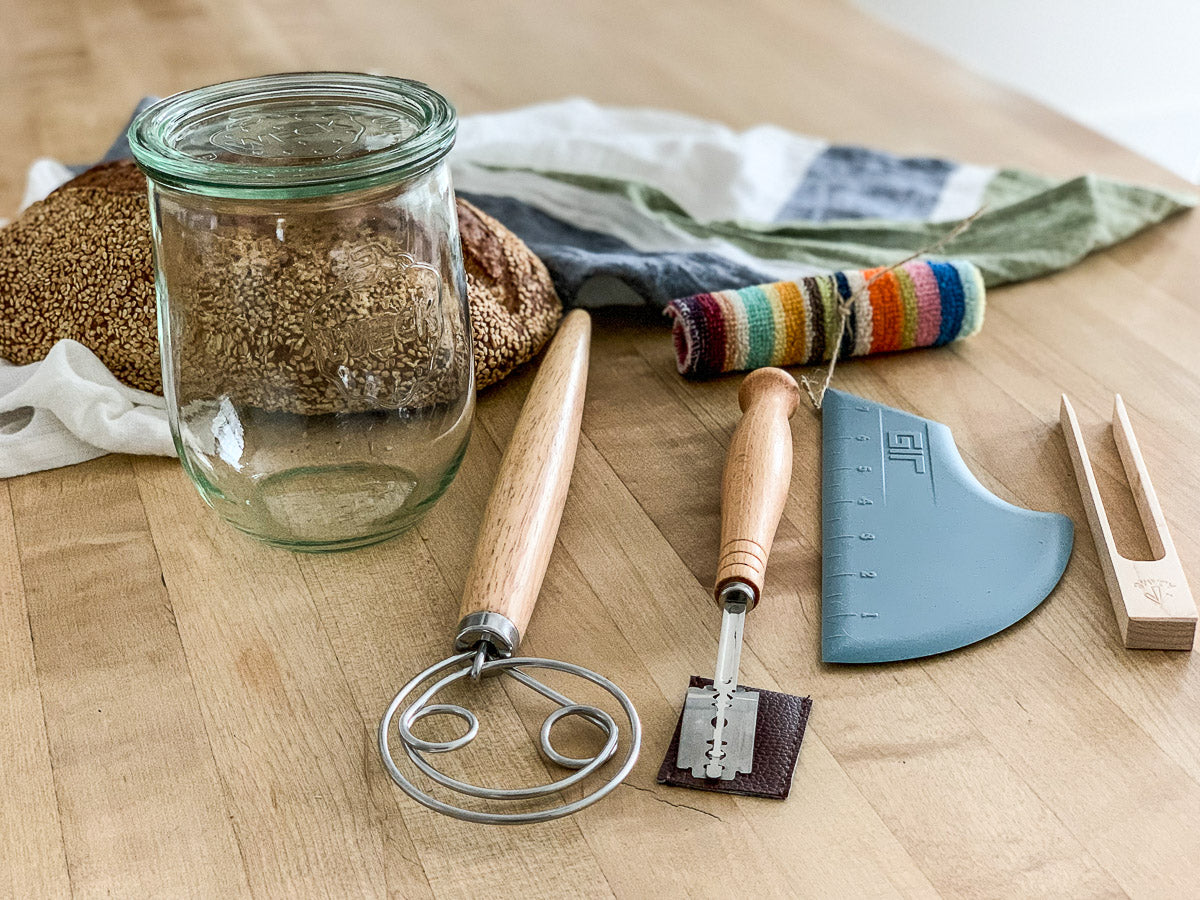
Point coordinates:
pixel 316 349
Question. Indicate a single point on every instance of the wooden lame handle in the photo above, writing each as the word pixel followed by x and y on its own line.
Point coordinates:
pixel 758 471
pixel 522 514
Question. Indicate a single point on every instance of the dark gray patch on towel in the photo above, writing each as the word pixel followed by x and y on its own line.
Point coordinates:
pixel 857 183
pixel 575 255
pixel 120 147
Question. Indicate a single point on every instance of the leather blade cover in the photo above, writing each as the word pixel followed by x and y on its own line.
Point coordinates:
pixel 779 731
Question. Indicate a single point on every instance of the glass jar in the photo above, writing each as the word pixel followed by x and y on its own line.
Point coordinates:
pixel 312 304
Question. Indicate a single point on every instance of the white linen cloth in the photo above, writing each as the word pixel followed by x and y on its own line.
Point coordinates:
pixel 69 408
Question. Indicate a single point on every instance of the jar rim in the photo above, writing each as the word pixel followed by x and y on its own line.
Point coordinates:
pixel 291 135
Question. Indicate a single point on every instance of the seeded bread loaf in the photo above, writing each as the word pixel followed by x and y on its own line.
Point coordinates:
pixel 78 265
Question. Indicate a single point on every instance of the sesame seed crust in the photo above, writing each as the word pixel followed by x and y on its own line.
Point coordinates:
pixel 79 265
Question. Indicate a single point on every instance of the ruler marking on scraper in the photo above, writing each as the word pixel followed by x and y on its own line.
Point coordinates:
pixel 882 465
pixel 929 462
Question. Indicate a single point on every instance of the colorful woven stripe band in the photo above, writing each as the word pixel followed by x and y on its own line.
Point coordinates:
pixel 920 304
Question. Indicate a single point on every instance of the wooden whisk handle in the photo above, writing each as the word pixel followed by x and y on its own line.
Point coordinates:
pixel 758 471
pixel 521 518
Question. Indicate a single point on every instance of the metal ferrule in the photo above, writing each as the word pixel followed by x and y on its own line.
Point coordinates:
pixel 735 594
pixel 497 630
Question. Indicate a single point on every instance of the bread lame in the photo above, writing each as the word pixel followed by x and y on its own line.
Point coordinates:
pixel 717 731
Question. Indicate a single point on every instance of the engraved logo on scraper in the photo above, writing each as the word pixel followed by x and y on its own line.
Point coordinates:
pixel 906 446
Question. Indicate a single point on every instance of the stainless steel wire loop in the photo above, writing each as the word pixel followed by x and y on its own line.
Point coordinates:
pixel 470 665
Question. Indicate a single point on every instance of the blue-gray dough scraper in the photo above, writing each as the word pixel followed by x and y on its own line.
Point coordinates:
pixel 917 556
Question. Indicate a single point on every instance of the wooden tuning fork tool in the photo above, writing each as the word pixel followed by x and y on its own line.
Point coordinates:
pixel 1151 598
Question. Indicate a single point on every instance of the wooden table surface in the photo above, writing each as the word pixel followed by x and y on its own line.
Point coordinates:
pixel 186 712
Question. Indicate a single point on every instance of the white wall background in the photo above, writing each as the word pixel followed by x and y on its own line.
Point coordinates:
pixel 1127 68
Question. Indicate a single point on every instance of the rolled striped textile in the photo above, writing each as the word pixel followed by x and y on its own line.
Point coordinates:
pixel 794 323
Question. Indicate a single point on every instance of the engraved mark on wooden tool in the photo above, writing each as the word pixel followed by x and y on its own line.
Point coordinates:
pixel 1156 590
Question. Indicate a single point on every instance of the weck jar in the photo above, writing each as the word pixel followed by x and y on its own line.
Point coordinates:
pixel 312 304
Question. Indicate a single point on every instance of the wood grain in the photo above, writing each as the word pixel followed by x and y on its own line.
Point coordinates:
pixel 186 712
pixel 30 832
pixel 139 801
pixel 281 722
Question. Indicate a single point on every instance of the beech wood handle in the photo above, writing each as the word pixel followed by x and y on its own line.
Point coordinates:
pixel 521 518
pixel 758 471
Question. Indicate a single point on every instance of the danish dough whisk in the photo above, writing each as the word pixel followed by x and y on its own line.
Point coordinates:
pixel 520 522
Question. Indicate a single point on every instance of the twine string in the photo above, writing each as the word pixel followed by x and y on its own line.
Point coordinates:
pixel 846 305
